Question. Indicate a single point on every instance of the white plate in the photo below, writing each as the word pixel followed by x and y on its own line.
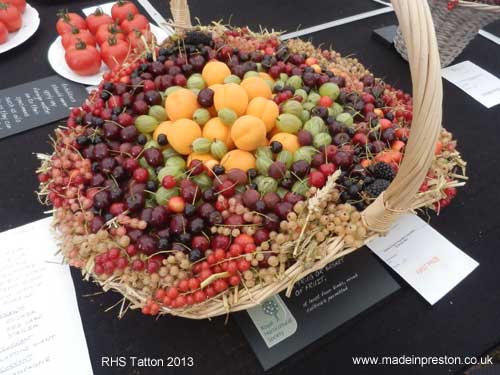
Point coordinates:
pixel 58 62
pixel 31 21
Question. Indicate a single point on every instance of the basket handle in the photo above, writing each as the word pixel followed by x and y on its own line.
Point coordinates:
pixel 180 14
pixel 415 22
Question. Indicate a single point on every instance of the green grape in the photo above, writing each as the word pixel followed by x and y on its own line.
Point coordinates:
pixel 146 123
pixel 158 112
pixel 329 89
pixel 288 123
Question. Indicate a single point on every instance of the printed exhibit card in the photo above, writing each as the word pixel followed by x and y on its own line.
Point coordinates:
pixel 424 258
pixel 475 81
pixel 40 327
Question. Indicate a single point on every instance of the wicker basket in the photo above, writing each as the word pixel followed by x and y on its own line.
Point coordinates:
pixel 417 28
pixel 401 196
pixel 455 28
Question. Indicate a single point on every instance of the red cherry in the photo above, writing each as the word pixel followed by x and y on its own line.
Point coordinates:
pixel 140 175
pixel 360 139
pixel 148 85
pixel 168 182
pixel 327 169
pixel 176 204
pixel 317 179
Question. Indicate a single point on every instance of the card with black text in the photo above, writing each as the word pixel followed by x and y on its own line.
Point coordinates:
pixel 321 302
pixel 37 103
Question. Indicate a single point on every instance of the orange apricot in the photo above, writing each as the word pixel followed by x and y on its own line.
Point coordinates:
pixel 255 87
pixel 265 109
pixel 162 129
pixel 248 132
pixel 215 129
pixel 240 159
pixel 289 141
pixel 231 96
pixel 181 135
pixel 215 72
pixel 181 104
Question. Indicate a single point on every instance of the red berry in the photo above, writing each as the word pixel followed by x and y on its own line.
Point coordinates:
pixel 227 188
pixel 153 266
pixel 220 285
pixel 200 296
pixel 317 179
pixel 232 267
pixel 234 280
pixel 325 101
pixel 205 274
pixel 243 239
pixel 243 265
pixel 113 253
pixel 235 250
pixel 137 265
pixel 141 175
pixel 130 164
pixel 327 169
pixel 122 263
pixel 159 294
pixel 210 291
pixel 194 283
pixel 168 182
pixel 131 250
pixel 176 204
pixel 219 254
pixel 98 269
pixel 180 301
pixel 148 85
pixel 172 292
pixel 249 248
pixel 183 286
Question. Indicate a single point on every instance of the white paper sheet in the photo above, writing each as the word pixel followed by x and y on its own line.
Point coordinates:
pixel 41 331
pixel 430 263
pixel 475 81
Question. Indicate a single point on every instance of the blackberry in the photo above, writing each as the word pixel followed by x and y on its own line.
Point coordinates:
pixel 384 171
pixel 377 187
pixel 198 37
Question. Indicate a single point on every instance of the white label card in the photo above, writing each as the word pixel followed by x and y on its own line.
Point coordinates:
pixel 423 257
pixel 41 331
pixel 475 81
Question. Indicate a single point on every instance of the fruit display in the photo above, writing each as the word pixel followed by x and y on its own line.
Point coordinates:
pixel 225 161
pixel 11 12
pixel 103 38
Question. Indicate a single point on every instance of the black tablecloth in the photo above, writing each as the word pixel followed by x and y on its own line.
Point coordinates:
pixel 464 323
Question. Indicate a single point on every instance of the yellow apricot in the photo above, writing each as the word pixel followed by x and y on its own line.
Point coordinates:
pixel 215 72
pixel 162 129
pixel 289 141
pixel 181 104
pixel 248 132
pixel 201 157
pixel 181 135
pixel 255 87
pixel 231 96
pixel 266 109
pixel 238 159
pixel 215 129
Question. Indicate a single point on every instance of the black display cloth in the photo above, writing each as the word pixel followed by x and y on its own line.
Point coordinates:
pixel 466 322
